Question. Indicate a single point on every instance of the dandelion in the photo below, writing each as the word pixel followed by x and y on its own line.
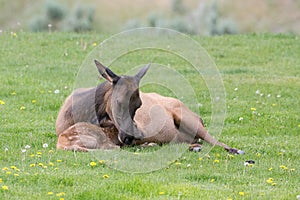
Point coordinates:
pixel 16 174
pixel 45 145
pixel 283 167
pixel 41 164
pixel 270 180
pixel 33 101
pixel 292 170
pixel 178 163
pixel 14 34
pixel 200 158
pixel 0 180
pixel 242 193
pixel 51 151
pixel 161 193
pixel 273 184
pixel 270 169
pixel 101 162
pixel 56 91
pixel 241 119
pixel 212 180
pixel 32 165
pixel 60 194
pixel 105 176
pixel 4 187
pixel 50 193
pixel 31 155
pixel 93 164
pixel 8 172
pixel 13 93
pixel 5 169
pixel 94 44
pixel 230 156
pixel 13 167
pixel 299 125
pixel 51 164
pixel 2 102
pixel 273 104
pixel 216 161
pixel 253 109
pixel 22 108
pixel 258 154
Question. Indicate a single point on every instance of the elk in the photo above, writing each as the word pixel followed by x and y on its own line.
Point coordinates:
pixel 116 113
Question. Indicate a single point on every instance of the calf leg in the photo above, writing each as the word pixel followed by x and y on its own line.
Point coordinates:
pixel 84 136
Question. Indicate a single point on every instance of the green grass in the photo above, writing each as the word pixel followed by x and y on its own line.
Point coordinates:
pixel 33 66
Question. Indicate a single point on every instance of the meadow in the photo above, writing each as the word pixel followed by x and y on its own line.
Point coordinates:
pixel 261 75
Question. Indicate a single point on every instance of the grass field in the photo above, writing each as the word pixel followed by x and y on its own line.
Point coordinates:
pixel 261 74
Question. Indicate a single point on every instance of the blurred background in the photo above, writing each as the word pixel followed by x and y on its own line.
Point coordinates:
pixel 203 17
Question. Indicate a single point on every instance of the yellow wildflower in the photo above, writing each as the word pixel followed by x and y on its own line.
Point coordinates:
pixel 13 93
pixel 253 109
pixel 200 158
pixel 105 176
pixel 32 165
pixel 270 180
pixel 216 161
pixel 178 163
pixel 284 167
pixel 59 161
pixel 212 180
pixel 22 108
pixel 16 174
pixel 0 180
pixel 50 193
pixel 2 102
pixel 93 164
pixel 4 187
pixel 13 167
pixel 242 193
pixel 33 101
pixel 8 172
pixel 271 168
pixel 39 153
pixel 161 193
pixel 94 44
pixel 101 162
pixel 5 169
pixel 51 164
pixel 60 194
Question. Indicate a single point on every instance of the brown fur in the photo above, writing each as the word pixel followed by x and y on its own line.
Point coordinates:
pixel 115 112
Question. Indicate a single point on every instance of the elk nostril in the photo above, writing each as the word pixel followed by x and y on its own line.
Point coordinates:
pixel 128 140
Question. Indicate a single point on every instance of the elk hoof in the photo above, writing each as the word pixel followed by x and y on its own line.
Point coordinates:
pixel 195 147
pixel 235 151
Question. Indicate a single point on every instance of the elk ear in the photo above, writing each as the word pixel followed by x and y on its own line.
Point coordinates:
pixel 106 73
pixel 142 72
